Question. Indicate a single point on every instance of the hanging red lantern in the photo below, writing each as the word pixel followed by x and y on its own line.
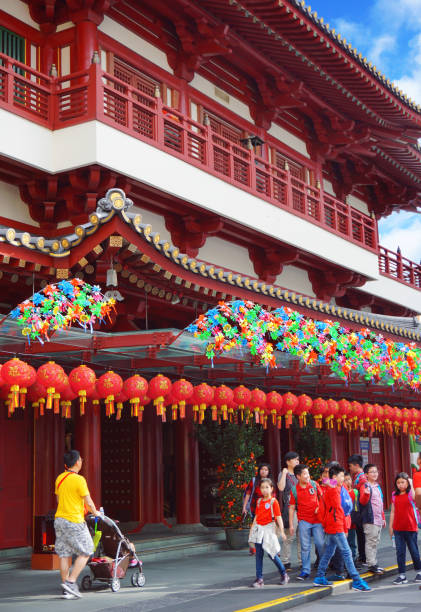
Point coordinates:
pixel 303 409
pixel 36 395
pixel 356 414
pixel 368 417
pixel 242 397
pixel 344 412
pixel 51 376
pixel 66 398
pixel 318 410
pixel 274 403
pixel 17 374
pixel 120 398
pixel 406 418
pixel 379 417
pixel 257 403
pixel 108 386
pixel 223 397
pixel 388 418
pixel 290 402
pixel 159 388
pixel 82 381
pixel 135 387
pixel 203 396
pixel 397 419
pixel 182 391
pixel 331 412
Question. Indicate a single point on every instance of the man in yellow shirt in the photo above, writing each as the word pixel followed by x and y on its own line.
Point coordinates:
pixel 72 534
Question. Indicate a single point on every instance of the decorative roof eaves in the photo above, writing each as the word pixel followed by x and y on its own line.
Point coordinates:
pixel 231 279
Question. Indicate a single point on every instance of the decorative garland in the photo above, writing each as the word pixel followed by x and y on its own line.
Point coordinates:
pixel 246 325
pixel 60 306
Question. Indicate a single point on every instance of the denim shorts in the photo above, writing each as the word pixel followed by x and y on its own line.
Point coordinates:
pixel 72 538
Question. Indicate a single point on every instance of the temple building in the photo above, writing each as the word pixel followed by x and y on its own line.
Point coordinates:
pixel 180 154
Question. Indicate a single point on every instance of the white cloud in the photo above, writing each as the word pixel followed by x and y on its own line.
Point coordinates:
pixel 402 229
pixel 410 82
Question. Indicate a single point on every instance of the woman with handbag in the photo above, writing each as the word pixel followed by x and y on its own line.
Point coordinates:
pixel 265 531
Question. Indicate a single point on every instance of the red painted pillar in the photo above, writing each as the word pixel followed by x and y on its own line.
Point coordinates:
pixel 87 440
pixel 86 42
pixel 187 471
pixel 152 468
pixel 405 454
pixel 272 446
pixel 48 460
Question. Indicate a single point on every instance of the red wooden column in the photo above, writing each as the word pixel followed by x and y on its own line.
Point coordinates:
pixel 392 464
pixel 87 440
pixel 152 468
pixel 187 471
pixel 405 454
pixel 48 460
pixel 272 446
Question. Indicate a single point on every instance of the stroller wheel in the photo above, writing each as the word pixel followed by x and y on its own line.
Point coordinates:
pixel 138 579
pixel 86 583
pixel 115 585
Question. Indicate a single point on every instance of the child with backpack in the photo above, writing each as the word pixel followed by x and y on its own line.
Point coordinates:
pixel 372 516
pixel 252 493
pixel 264 532
pixel 306 500
pixel 403 525
pixel 335 528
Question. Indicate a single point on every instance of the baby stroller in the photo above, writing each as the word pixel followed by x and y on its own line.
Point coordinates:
pixel 113 556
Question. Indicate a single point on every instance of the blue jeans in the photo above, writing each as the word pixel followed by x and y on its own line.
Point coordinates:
pixel 259 562
pixel 402 540
pixel 306 530
pixel 352 542
pixel 333 541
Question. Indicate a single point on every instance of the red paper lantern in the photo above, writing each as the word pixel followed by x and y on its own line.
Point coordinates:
pixel 379 418
pixel 159 388
pixel 203 396
pixel 369 417
pixel 388 413
pixel 223 397
pixel 52 376
pixel 318 410
pixel 19 375
pixel 290 402
pixel 66 398
pixel 108 386
pixel 182 391
pixel 257 403
pixel 82 381
pixel 135 387
pixel 120 398
pixel 331 412
pixel 274 403
pixel 303 408
pixel 406 418
pixel 344 412
pixel 36 395
pixel 356 414
pixel 242 397
pixel 397 419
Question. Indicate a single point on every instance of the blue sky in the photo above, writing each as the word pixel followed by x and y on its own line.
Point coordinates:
pixel 388 33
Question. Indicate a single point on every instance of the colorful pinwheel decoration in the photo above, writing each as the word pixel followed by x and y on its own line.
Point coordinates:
pixel 60 306
pixel 244 324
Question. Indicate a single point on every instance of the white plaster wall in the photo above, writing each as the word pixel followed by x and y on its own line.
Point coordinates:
pixel 135 43
pixel 295 279
pixel 11 205
pixel 20 10
pixel 227 255
pixel 394 291
pixel 208 89
pixel 156 221
pixel 289 139
pixel 327 186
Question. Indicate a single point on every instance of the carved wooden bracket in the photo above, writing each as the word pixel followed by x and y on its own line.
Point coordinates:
pixel 276 94
pixel 189 233
pixel 51 13
pixel 268 262
pixel 328 284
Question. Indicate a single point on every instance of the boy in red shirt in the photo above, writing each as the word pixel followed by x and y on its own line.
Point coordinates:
pixel 304 499
pixel 334 524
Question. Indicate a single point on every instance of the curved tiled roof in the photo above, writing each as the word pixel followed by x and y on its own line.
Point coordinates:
pixel 116 203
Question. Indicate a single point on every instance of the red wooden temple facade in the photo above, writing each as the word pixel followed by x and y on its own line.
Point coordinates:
pixel 259 150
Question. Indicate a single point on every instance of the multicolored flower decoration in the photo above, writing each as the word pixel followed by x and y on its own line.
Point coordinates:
pixel 60 306
pixel 244 324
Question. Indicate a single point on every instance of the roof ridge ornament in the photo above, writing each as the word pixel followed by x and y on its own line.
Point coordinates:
pixel 115 199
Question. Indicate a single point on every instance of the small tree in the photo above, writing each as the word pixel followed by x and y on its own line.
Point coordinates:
pixel 233 450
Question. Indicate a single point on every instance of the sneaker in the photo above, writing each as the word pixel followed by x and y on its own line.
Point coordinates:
pixel 375 569
pixel 72 588
pixel 336 578
pixel 418 577
pixel 400 580
pixel 321 582
pixel 284 579
pixel 66 595
pixel 360 585
pixel 302 576
pixel 287 567
pixel 258 584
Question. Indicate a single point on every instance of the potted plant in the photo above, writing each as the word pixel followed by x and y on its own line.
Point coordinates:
pixel 233 449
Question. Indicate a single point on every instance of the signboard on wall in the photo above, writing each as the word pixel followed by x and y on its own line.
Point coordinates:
pixel 375 446
pixel 364 448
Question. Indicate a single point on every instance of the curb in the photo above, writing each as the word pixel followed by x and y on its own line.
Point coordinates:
pixel 302 597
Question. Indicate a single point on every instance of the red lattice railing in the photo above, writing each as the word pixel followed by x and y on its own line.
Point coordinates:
pixel 395 266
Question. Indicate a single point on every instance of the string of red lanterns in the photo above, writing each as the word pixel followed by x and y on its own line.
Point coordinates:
pixel 49 388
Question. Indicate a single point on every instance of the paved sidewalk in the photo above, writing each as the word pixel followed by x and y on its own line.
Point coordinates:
pixel 213 581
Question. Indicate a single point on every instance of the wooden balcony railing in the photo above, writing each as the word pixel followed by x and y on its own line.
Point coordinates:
pixel 395 266
pixel 94 94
